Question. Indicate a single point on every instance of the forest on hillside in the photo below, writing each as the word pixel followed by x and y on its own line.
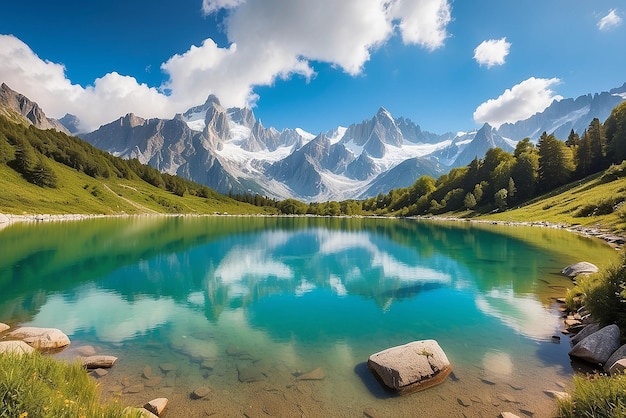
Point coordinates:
pixel 27 149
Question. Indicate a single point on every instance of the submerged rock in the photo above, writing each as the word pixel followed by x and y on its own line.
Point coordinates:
pixel 168 367
pixel 411 367
pixel 317 374
pixel 85 350
pixel 153 381
pixel 97 362
pixel 200 392
pixel 98 373
pixel 249 374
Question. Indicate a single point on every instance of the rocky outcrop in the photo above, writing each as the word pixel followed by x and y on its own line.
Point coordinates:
pixel 41 338
pixel 19 108
pixel 598 347
pixel 583 267
pixel 411 367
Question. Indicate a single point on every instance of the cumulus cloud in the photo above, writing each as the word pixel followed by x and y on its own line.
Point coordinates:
pixel 610 21
pixel 423 22
pixel 492 52
pixel 45 82
pixel 268 40
pixel 519 102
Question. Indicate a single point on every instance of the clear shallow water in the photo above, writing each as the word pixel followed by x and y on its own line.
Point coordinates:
pixel 265 299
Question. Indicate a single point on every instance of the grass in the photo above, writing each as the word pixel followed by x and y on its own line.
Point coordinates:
pixel 78 193
pixel 597 396
pixel 38 386
pixel 596 201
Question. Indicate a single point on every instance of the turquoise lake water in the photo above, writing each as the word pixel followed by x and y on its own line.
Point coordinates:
pixel 245 305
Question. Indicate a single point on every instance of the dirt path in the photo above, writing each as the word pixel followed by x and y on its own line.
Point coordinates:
pixel 130 202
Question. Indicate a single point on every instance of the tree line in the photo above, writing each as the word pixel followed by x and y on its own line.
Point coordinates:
pixel 497 181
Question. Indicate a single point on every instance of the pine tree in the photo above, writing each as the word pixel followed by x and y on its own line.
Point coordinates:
pixel 25 157
pixel 583 156
pixel 615 128
pixel 525 169
pixel 573 140
pixel 555 162
pixel 43 175
pixel 597 141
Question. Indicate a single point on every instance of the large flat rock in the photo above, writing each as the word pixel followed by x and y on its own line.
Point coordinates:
pixel 411 367
pixel 40 338
pixel 583 267
pixel 15 347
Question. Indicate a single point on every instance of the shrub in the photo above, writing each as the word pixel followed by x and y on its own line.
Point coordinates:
pixel 601 207
pixel 605 295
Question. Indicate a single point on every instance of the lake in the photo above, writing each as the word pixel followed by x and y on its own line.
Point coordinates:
pixel 247 305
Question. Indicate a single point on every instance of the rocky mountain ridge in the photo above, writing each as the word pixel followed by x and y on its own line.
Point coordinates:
pixel 231 151
pixel 19 108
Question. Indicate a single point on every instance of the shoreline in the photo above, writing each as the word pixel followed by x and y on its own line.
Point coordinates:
pixel 613 239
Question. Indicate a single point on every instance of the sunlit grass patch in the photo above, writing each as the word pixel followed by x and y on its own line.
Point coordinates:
pixel 39 386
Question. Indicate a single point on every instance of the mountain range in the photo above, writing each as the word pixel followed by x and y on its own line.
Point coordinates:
pixel 229 149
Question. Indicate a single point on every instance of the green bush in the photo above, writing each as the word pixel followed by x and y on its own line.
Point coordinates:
pixel 605 295
pixel 602 207
pixel 39 386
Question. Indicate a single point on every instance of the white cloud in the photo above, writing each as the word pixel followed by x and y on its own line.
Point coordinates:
pixel 268 39
pixel 423 22
pixel 211 6
pixel 45 82
pixel 519 102
pixel 610 21
pixel 492 52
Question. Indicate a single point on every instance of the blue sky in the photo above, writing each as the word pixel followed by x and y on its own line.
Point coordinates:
pixel 314 64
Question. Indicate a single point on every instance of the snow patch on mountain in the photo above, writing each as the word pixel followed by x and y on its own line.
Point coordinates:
pixel 307 136
pixel 337 134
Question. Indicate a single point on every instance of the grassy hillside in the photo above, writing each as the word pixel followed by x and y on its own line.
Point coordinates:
pixel 114 186
pixel 596 201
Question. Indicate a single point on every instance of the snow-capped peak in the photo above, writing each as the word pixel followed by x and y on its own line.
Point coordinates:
pixel 307 136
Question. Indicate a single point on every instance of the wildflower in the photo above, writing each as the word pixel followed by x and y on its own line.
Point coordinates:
pixel 23 414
